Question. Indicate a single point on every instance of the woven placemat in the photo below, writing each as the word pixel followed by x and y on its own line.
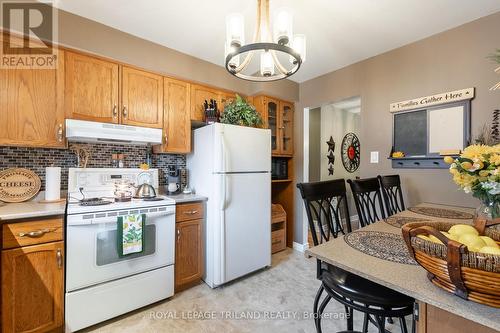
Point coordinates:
pixel 399 221
pixel 442 213
pixel 382 245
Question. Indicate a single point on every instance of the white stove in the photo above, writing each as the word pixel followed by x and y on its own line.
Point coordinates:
pixel 100 283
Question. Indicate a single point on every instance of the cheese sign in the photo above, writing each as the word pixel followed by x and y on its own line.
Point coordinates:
pixel 18 184
pixel 421 102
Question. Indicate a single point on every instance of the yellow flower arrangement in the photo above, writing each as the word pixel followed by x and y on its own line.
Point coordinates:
pixel 477 171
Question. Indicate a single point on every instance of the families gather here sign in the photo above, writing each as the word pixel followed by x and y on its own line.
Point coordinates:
pixel 448 97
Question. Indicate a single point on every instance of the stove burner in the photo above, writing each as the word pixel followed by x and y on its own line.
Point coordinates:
pixel 94 202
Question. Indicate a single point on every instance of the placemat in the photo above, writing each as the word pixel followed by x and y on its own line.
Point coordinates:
pixel 399 221
pixel 382 245
pixel 442 213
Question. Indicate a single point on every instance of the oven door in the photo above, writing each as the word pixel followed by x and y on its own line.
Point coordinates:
pixel 92 249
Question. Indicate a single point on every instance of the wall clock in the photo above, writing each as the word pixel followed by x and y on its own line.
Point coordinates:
pixel 350 152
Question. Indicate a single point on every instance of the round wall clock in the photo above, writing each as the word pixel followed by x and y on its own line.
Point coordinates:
pixel 350 152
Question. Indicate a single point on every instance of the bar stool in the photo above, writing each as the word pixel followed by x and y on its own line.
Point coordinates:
pixel 391 191
pixel 326 207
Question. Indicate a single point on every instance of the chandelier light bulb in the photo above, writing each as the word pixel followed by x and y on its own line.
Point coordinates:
pixel 299 46
pixel 266 64
pixel 235 61
pixel 235 29
pixel 283 23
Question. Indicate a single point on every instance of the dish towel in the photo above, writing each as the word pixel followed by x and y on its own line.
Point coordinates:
pixel 130 234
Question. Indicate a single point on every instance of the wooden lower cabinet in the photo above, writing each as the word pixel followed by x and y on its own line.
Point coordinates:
pixel 434 320
pixel 33 288
pixel 188 254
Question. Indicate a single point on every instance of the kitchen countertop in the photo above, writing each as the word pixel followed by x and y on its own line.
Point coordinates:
pixel 408 279
pixel 183 198
pixel 29 209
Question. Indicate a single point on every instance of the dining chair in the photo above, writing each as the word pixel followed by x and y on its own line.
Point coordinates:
pixel 392 193
pixel 326 207
pixel 368 200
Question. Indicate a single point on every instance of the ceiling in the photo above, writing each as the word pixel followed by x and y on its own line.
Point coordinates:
pixel 339 32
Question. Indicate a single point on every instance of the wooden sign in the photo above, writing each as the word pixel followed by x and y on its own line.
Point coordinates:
pixel 17 185
pixel 422 102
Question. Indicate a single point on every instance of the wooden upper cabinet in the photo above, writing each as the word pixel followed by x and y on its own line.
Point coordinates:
pixel 142 98
pixel 91 89
pixel 32 106
pixel 33 288
pixel 272 121
pixel 176 118
pixel 200 94
pixel 286 128
pixel 226 98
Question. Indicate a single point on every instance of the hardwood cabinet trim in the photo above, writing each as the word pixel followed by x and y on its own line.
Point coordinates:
pixel 45 231
pixel 36 289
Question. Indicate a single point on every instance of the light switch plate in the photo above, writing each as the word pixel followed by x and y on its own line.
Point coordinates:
pixel 374 157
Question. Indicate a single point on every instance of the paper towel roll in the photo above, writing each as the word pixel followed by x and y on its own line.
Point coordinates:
pixel 52 183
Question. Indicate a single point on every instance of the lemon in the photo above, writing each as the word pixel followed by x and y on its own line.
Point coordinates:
pixel 490 250
pixel 424 237
pixel 473 242
pixel 448 159
pixel 435 239
pixel 450 236
pixel 466 165
pixel 489 241
pixel 461 229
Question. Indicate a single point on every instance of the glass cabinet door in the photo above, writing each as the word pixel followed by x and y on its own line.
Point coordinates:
pixel 272 121
pixel 286 128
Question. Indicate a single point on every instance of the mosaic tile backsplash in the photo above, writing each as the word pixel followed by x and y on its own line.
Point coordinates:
pixel 36 159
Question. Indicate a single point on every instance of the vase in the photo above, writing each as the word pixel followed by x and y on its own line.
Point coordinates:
pixel 489 209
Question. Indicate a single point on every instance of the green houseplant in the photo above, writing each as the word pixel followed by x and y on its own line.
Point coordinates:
pixel 240 112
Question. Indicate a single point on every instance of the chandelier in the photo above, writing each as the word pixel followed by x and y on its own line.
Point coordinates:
pixel 280 53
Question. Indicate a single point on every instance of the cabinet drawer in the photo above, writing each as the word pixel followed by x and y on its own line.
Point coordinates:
pixel 189 211
pixel 32 232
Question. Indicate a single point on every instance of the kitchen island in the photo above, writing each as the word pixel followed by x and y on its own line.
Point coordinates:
pixel 440 311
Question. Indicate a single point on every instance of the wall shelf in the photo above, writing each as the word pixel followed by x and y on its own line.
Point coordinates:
pixel 413 162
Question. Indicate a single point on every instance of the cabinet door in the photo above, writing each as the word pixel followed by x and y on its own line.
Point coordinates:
pixel 177 118
pixel 91 89
pixel 273 113
pixel 142 98
pixel 31 106
pixel 286 128
pixel 32 288
pixel 200 94
pixel 188 253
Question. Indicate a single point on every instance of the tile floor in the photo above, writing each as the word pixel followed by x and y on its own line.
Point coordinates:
pixel 278 298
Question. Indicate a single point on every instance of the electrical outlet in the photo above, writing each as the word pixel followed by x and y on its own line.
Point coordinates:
pixel 374 157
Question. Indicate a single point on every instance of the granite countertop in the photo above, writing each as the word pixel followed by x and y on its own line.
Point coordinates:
pixel 182 198
pixel 408 279
pixel 32 208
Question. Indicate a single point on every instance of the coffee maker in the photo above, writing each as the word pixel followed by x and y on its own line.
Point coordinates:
pixel 174 180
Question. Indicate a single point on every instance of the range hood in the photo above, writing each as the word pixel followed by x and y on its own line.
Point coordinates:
pixel 90 131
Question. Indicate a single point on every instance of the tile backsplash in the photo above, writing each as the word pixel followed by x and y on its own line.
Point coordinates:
pixel 36 159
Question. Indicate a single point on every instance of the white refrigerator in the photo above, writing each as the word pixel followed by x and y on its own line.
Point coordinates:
pixel 231 165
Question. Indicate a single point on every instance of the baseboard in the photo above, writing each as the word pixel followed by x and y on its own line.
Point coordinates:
pixel 300 247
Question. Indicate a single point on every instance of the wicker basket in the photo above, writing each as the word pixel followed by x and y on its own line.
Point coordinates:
pixel 450 266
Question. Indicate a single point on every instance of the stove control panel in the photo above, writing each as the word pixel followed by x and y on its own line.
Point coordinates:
pixel 97 179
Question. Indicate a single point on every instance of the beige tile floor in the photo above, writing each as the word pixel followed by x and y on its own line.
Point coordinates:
pixel 279 298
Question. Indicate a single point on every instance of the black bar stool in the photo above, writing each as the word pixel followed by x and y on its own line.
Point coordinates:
pixel 393 196
pixel 326 207
pixel 368 200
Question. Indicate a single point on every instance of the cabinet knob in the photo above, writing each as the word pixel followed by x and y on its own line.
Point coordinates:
pixel 125 111
pixel 60 133
pixel 115 111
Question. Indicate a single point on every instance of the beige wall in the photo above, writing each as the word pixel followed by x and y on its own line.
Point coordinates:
pixel 315 159
pixel 90 36
pixel 451 60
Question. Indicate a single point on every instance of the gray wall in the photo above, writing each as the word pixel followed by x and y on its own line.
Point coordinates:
pixel 451 60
